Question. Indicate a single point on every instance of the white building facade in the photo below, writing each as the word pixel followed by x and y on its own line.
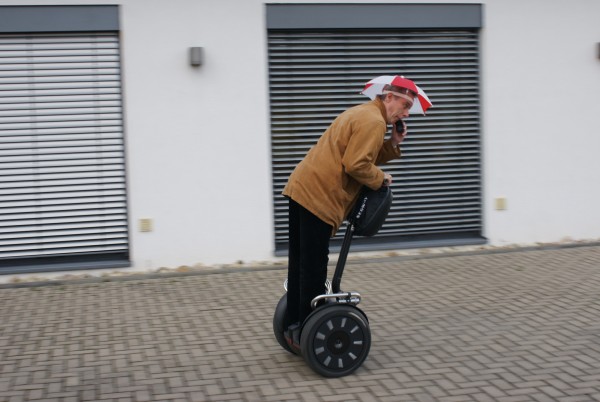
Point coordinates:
pixel 182 162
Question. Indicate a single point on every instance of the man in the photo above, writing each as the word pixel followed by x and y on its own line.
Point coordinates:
pixel 324 186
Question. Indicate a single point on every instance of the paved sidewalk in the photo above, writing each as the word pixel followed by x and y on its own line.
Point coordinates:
pixel 510 327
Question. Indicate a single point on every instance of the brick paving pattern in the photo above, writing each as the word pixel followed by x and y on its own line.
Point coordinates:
pixel 512 327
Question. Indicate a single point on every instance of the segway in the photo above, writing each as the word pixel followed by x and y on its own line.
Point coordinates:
pixel 335 338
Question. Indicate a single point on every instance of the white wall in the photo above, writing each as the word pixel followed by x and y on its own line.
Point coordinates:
pixel 198 137
pixel 198 151
pixel 541 100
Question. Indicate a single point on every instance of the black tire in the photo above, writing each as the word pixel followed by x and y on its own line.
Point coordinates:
pixel 335 340
pixel 281 322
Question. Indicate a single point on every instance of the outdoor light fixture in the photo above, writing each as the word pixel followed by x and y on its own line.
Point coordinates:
pixel 196 56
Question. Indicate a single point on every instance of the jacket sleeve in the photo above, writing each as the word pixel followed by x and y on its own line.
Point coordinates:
pixel 387 153
pixel 361 154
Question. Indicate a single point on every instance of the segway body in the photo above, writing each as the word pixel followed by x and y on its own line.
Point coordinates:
pixel 335 338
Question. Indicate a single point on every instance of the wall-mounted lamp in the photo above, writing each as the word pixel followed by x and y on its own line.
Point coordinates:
pixel 598 48
pixel 196 56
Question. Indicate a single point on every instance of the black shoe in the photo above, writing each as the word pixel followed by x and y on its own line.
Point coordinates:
pixel 292 336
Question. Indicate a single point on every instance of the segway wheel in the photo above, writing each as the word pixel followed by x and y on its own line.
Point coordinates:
pixel 280 323
pixel 335 340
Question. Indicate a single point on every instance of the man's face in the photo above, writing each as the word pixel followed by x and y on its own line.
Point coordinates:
pixel 397 107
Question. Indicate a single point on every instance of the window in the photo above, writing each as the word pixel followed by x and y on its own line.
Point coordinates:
pixel 62 161
pixel 318 67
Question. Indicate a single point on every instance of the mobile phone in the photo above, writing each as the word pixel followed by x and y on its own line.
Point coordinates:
pixel 399 126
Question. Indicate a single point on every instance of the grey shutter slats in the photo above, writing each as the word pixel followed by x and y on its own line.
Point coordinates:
pixel 315 75
pixel 62 161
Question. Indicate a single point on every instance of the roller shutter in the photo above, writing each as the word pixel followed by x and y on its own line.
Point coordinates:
pixel 315 75
pixel 62 163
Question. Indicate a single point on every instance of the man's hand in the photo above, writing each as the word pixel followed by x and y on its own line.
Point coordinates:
pixel 387 179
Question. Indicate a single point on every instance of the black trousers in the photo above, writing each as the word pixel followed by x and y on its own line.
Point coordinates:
pixel 308 256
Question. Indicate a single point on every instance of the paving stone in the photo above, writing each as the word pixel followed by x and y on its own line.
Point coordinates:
pixel 520 326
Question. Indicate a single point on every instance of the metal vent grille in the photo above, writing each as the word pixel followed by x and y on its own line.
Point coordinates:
pixel 62 166
pixel 314 76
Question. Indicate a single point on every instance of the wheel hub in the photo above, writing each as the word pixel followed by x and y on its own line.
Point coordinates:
pixel 338 342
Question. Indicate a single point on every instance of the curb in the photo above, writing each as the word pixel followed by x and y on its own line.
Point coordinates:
pixel 258 268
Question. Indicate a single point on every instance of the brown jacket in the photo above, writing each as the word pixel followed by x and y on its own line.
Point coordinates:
pixel 328 180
